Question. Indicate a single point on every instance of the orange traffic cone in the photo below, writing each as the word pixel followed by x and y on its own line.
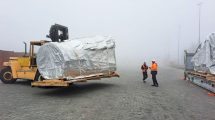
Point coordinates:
pixel 211 94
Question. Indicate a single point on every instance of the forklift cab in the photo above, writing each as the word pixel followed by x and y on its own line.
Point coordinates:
pixel 32 55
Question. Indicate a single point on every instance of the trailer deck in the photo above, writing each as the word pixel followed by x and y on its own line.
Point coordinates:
pixel 204 80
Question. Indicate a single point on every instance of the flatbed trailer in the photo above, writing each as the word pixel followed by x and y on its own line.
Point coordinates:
pixel 202 79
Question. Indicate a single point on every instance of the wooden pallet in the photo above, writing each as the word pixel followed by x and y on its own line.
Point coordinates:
pixel 211 78
pixel 66 83
pixel 207 76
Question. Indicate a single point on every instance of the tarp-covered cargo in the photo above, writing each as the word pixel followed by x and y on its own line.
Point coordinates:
pixel 204 58
pixel 77 57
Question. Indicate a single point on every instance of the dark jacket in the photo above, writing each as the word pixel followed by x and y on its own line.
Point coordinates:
pixel 144 68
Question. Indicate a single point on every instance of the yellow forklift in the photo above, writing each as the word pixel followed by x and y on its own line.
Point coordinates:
pixel 21 67
pixel 26 67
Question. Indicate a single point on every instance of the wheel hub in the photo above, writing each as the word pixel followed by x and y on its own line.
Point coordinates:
pixel 7 76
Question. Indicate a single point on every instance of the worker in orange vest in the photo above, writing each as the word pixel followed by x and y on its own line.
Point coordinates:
pixel 144 69
pixel 154 69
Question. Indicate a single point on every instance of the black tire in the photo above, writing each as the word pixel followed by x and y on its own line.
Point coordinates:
pixel 38 76
pixel 6 76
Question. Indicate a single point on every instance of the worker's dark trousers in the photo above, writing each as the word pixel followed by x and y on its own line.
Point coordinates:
pixel 154 73
pixel 145 75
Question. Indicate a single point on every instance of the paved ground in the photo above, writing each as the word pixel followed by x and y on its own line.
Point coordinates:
pixel 124 98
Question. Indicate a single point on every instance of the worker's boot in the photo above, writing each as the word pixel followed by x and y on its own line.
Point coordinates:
pixel 157 85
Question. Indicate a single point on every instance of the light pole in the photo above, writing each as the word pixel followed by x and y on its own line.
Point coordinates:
pixel 200 5
pixel 179 37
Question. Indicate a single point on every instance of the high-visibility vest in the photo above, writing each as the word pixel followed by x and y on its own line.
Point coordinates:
pixel 154 67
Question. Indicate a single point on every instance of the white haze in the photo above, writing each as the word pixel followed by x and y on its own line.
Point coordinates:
pixel 143 29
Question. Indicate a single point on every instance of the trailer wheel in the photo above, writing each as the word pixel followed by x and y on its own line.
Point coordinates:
pixel 6 76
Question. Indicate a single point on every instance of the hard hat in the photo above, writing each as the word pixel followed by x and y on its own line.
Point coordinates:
pixel 153 60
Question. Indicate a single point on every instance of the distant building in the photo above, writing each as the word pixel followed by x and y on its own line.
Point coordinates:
pixel 4 56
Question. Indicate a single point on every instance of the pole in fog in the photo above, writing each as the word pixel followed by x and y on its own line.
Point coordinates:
pixel 179 37
pixel 199 5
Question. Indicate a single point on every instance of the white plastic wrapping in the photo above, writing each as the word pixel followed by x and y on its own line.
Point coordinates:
pixel 77 57
pixel 204 58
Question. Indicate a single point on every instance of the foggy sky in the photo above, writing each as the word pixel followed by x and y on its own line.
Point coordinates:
pixel 143 29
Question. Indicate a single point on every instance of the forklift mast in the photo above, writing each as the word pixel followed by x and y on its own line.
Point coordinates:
pixel 58 33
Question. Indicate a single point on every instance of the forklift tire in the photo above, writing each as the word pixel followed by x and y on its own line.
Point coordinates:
pixel 6 76
pixel 38 76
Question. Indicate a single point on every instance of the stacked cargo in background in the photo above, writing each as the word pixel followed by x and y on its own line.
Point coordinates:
pixel 4 56
pixel 200 66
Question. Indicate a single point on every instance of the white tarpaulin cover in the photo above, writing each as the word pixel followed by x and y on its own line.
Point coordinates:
pixel 72 58
pixel 204 58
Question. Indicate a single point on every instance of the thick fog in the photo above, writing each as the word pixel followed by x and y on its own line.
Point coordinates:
pixel 143 29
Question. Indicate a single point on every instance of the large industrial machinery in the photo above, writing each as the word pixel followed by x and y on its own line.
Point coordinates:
pixel 26 67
